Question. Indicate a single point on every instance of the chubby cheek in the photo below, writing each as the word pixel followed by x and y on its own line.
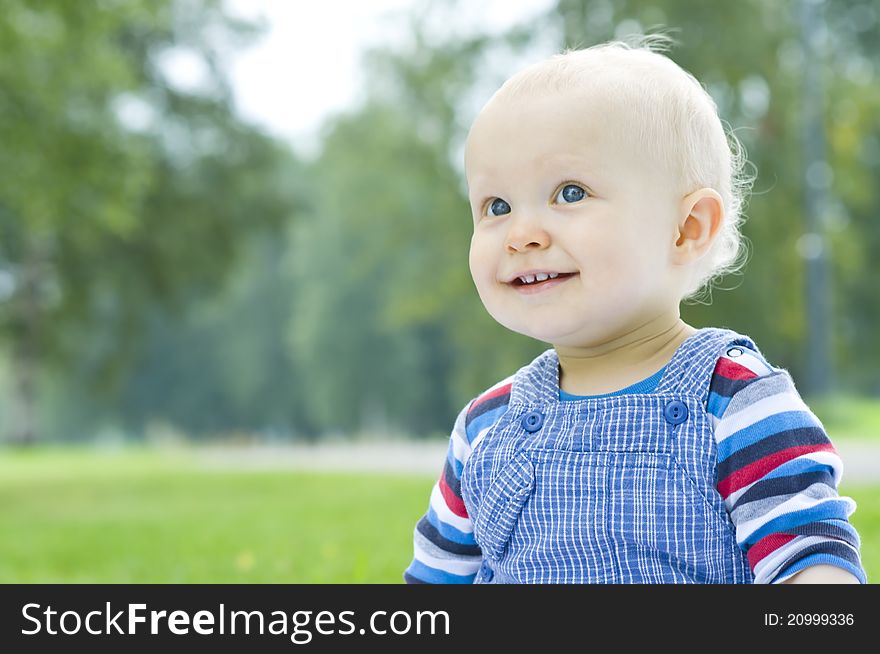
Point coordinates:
pixel 484 272
pixel 482 263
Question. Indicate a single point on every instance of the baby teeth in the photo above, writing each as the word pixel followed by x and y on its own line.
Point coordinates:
pixel 529 279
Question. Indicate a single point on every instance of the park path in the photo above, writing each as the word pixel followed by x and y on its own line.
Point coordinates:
pixel 417 457
pixel 861 459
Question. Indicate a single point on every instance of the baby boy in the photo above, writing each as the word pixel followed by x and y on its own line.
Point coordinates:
pixel 638 449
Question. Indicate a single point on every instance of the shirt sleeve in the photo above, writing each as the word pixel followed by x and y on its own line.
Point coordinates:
pixel 778 472
pixel 444 549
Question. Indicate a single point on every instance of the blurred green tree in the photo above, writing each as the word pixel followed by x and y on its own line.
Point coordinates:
pixel 364 315
pixel 125 183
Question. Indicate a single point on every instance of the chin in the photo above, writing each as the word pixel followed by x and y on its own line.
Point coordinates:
pixel 543 333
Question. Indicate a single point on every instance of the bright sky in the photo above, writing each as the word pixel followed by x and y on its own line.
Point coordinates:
pixel 306 65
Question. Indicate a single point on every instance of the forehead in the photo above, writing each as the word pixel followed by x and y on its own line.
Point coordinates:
pixel 546 132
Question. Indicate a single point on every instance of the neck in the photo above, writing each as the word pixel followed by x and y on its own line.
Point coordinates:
pixel 623 360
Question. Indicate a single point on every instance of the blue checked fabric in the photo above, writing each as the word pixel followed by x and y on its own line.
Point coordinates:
pixel 605 490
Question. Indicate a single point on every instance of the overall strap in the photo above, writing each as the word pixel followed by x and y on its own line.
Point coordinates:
pixel 537 383
pixel 690 370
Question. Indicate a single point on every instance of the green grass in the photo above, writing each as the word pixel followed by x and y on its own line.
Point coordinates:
pixel 146 518
pixel 142 517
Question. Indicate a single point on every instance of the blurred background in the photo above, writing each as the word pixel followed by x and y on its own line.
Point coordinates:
pixel 236 317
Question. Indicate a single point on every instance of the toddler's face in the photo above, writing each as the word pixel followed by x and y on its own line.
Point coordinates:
pixel 557 188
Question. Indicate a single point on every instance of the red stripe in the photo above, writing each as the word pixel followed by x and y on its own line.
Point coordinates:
pixel 757 469
pixel 453 501
pixel 732 370
pixel 488 396
pixel 767 545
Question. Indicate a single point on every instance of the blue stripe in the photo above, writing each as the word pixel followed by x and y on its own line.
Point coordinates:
pixel 448 531
pixel 483 421
pixel 766 428
pixel 717 404
pixel 828 546
pixel 827 510
pixel 484 406
pixel 433 576
pixel 824 557
pixel 457 466
pixel 798 466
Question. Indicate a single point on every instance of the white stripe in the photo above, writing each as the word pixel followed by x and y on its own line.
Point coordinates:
pixel 461 449
pixel 445 515
pixel 831 459
pixel 748 359
pixel 757 411
pixel 796 503
pixel 770 564
pixel 452 566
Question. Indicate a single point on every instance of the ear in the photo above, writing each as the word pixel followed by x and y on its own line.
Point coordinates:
pixel 702 214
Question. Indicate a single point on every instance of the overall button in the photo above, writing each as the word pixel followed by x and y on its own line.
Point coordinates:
pixel 675 412
pixel 734 352
pixel 532 421
pixel 486 572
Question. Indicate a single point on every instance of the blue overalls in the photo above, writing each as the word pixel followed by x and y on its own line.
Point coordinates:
pixel 618 489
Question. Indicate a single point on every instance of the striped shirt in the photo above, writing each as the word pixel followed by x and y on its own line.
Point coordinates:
pixel 777 472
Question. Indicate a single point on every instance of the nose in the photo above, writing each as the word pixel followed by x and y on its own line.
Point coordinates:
pixel 525 233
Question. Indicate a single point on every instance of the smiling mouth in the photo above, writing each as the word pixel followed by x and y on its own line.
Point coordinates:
pixel 518 282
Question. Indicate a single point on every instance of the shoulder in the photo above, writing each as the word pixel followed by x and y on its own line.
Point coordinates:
pixel 738 368
pixel 475 419
pixel 485 409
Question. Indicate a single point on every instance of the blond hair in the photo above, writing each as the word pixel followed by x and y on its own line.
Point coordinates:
pixel 677 124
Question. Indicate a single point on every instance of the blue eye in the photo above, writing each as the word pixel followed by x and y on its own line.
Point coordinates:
pixel 498 207
pixel 571 193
